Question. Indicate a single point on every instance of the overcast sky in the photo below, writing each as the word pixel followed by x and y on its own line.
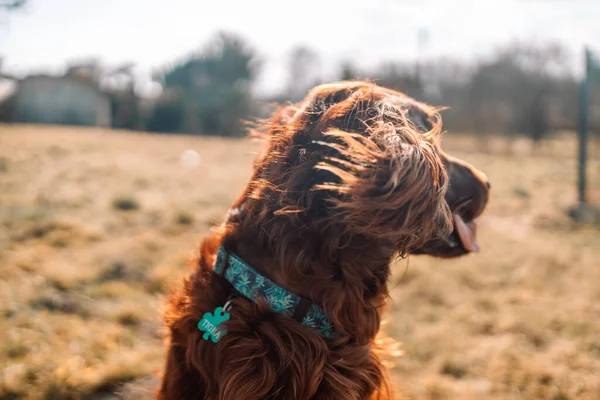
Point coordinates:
pixel 151 33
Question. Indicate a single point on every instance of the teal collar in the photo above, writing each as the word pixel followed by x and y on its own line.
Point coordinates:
pixel 252 285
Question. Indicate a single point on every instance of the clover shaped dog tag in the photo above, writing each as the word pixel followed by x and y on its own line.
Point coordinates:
pixel 210 322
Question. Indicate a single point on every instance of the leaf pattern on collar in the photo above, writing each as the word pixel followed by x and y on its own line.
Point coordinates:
pixel 252 285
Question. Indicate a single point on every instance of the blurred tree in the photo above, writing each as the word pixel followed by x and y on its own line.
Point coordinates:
pixel 214 88
pixel 120 82
pixel 304 65
pixel 514 92
pixel 399 76
pixel 12 4
pixel 348 71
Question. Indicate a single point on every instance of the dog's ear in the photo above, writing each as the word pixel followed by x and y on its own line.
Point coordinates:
pixel 389 184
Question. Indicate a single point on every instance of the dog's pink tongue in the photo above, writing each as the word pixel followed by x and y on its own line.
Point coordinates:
pixel 467 233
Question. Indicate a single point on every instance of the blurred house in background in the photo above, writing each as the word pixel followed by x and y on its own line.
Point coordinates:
pixel 84 95
pixel 71 99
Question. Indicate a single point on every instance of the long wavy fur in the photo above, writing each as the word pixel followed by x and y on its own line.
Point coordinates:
pixel 349 179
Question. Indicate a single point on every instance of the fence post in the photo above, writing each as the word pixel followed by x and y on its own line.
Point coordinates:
pixel 584 127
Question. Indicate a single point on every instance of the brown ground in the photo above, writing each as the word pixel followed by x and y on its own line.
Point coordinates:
pixel 82 281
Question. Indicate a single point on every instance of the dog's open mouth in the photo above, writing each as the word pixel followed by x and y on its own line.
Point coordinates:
pixel 465 229
pixel 467 233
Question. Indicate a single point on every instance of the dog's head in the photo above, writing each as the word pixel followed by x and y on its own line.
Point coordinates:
pixel 360 162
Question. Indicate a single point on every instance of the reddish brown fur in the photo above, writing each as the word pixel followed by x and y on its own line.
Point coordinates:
pixel 350 178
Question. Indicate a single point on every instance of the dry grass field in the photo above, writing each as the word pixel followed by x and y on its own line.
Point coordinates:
pixel 96 226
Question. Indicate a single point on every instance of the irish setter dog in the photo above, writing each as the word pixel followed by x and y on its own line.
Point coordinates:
pixel 350 178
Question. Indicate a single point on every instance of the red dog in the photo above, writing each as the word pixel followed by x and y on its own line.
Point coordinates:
pixel 286 297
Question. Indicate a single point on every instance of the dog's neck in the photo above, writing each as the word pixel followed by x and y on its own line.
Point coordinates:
pixel 346 279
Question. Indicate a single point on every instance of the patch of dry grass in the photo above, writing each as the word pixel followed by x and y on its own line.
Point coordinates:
pixel 96 226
